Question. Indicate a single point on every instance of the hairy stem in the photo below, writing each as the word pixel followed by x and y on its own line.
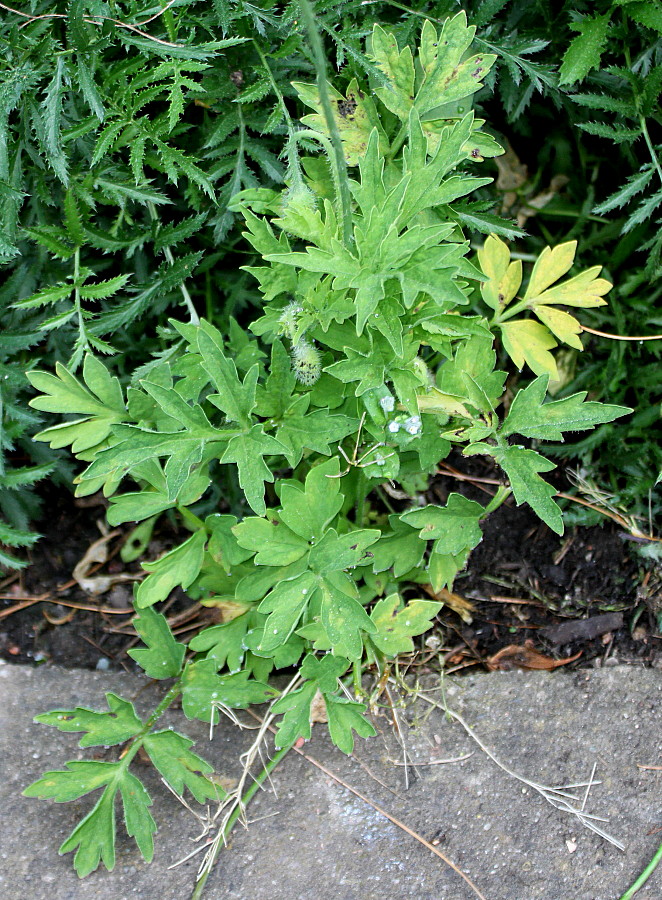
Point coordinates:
pixel 344 196
pixel 649 144
pixel 294 166
pixel 167 252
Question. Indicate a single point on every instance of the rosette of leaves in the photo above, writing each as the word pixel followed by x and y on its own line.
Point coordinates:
pixel 308 568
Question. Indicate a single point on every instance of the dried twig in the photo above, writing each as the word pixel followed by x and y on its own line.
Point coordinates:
pixel 98 20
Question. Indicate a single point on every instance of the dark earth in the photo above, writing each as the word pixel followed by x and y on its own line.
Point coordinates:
pixel 536 600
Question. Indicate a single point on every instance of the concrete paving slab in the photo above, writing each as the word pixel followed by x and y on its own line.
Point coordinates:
pixel 316 840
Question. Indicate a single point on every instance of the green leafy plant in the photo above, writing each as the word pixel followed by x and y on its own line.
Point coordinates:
pixel 123 134
pixel 366 365
pixel 596 98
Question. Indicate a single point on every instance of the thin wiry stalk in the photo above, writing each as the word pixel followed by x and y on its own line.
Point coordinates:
pixel 233 807
pixel 558 797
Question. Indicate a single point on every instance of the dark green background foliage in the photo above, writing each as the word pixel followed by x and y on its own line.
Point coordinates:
pixel 597 120
pixel 119 154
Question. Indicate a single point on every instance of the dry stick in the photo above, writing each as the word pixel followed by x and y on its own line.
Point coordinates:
pixel 445 469
pixel 382 812
pixel 46 598
pixel 237 799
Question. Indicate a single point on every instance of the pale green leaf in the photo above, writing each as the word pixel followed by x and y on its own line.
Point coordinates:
pixel 344 718
pixel 162 657
pixel 271 540
pixel 179 566
pixel 344 619
pixel 530 416
pixel 399 549
pixel 102 728
pixel 285 606
pixel 183 770
pixel 455 527
pixel 398 66
pixel 324 671
pixel 137 818
pixel 248 451
pixel 203 691
pixel 522 467
pixel 397 623
pixel 333 552
pixel 93 838
pixel 79 778
pixel 295 709
pixel 309 512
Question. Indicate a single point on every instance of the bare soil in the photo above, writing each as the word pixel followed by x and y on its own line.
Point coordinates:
pixel 522 583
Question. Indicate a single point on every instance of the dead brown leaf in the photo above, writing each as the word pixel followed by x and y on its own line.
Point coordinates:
pixel 318 709
pixel 463 607
pixel 512 173
pixel 96 555
pixel 523 656
pixel 228 609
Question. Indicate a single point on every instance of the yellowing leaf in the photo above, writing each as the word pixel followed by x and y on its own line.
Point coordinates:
pixel 436 401
pixel 398 66
pixel 551 265
pixel 526 341
pixel 504 276
pixel 494 257
pixel 355 115
pixel 564 326
pixel 585 290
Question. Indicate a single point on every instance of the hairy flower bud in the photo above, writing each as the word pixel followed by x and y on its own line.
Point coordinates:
pixel 306 362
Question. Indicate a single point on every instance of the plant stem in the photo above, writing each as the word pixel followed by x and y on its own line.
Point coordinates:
pixel 292 157
pixel 344 196
pixel 649 144
pixel 398 141
pixel 245 800
pixel 168 699
pixel 167 252
pixel 645 875
pixel 361 491
pixel 82 334
pixel 501 495
pixel 357 673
